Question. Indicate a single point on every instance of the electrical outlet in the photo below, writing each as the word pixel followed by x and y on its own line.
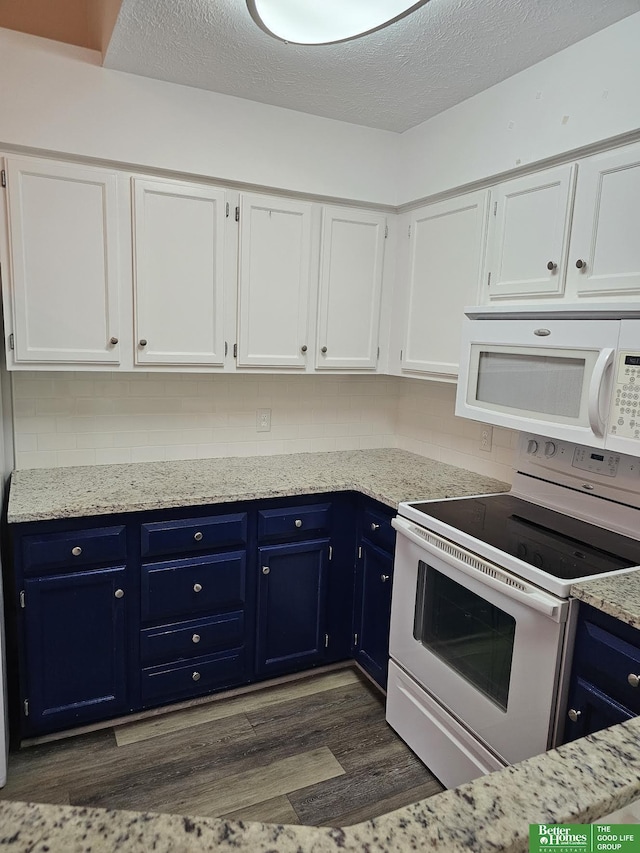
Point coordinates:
pixel 486 438
pixel 263 420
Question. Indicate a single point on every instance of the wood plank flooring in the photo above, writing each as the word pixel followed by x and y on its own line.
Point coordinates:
pixel 315 751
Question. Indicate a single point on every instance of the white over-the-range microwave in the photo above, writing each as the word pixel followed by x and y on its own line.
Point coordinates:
pixel 574 378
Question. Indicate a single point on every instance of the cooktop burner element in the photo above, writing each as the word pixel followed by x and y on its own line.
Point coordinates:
pixel 558 544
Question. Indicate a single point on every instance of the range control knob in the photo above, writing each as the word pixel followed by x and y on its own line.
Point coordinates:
pixel 532 446
pixel 550 449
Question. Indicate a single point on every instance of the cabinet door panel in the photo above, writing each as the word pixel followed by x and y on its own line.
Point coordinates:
pixel 529 229
pixel 64 256
pixel 372 647
pixel 75 647
pixel 178 250
pixel 595 709
pixel 291 605
pixel 350 288
pixel 446 246
pixel 274 280
pixel 605 225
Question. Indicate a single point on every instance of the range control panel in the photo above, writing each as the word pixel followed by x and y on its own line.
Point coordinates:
pixel 624 418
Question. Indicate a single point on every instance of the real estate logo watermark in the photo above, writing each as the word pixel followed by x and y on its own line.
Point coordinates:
pixel 584 838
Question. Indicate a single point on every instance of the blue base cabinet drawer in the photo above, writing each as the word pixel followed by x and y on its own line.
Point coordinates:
pixel 290 522
pixel 376 527
pixel 201 675
pixel 100 546
pixel 607 660
pixel 193 534
pixel 182 588
pixel 191 639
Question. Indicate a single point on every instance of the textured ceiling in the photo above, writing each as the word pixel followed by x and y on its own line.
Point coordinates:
pixel 393 79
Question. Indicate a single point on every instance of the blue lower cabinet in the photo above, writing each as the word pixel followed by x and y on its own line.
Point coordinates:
pixel 373 611
pixel 291 625
pixel 181 680
pixel 590 710
pixel 76 651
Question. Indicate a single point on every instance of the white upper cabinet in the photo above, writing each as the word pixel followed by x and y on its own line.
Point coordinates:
pixel 351 267
pixel 179 269
pixel 446 246
pixel 529 235
pixel 62 282
pixel 604 258
pixel 274 282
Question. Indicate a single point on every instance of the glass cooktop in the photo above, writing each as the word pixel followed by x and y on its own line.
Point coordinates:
pixel 560 545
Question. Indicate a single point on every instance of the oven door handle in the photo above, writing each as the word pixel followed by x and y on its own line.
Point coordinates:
pixel 485 572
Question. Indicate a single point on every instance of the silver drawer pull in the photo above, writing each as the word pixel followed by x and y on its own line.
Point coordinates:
pixel 634 680
pixel 375 526
pixel 197 587
pixel 76 551
pixel 265 570
pixel 195 638
pixel 119 593
pixel 298 522
pixel 384 578
pixel 197 536
pixel 573 715
pixel 195 676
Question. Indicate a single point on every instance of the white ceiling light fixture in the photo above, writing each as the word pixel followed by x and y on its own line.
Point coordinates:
pixel 327 21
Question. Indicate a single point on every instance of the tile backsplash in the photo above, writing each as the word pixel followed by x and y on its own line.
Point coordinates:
pixel 63 419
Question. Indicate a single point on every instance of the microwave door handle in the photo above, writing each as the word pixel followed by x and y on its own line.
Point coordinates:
pixel 530 596
pixel 605 360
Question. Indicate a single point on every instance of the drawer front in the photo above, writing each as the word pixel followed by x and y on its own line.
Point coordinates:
pixel 191 639
pixel 102 546
pixel 608 661
pixel 294 521
pixel 193 534
pixel 185 588
pixel 201 675
pixel 377 528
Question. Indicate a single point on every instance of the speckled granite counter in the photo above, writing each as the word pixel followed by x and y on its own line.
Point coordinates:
pixel 576 783
pixel 389 476
pixel 618 596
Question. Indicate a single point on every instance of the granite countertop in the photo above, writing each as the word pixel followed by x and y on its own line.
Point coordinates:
pixel 619 596
pixel 576 783
pixel 389 476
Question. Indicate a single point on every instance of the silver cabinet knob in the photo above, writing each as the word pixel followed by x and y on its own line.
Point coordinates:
pixel 195 638
pixel 323 350
pixel 265 570
pixel 375 526
pixel 113 341
pixel 551 266
pixel 76 551
pixel 119 593
pixel 195 676
pixel 303 348
pixel 634 680
pixel 197 587
pixel 143 342
pixel 298 522
pixel 581 265
pixel 198 536
pixel 573 715
pixel 384 578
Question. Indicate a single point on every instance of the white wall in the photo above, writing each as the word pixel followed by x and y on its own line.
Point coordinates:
pixel 586 93
pixel 58 97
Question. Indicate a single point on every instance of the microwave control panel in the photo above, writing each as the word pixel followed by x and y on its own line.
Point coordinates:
pixel 624 418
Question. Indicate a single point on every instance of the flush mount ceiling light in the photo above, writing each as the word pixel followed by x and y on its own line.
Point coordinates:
pixel 326 21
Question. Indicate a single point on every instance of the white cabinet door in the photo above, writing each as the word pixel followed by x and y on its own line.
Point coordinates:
pixel 446 246
pixel 529 234
pixel 178 262
pixel 352 255
pixel 63 240
pixel 605 243
pixel 274 280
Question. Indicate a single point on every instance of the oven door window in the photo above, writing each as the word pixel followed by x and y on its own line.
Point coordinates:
pixel 472 636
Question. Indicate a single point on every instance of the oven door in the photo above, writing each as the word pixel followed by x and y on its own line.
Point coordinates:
pixel 486 645
pixel 551 377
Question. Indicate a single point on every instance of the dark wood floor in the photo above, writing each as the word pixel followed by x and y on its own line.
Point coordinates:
pixel 315 751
